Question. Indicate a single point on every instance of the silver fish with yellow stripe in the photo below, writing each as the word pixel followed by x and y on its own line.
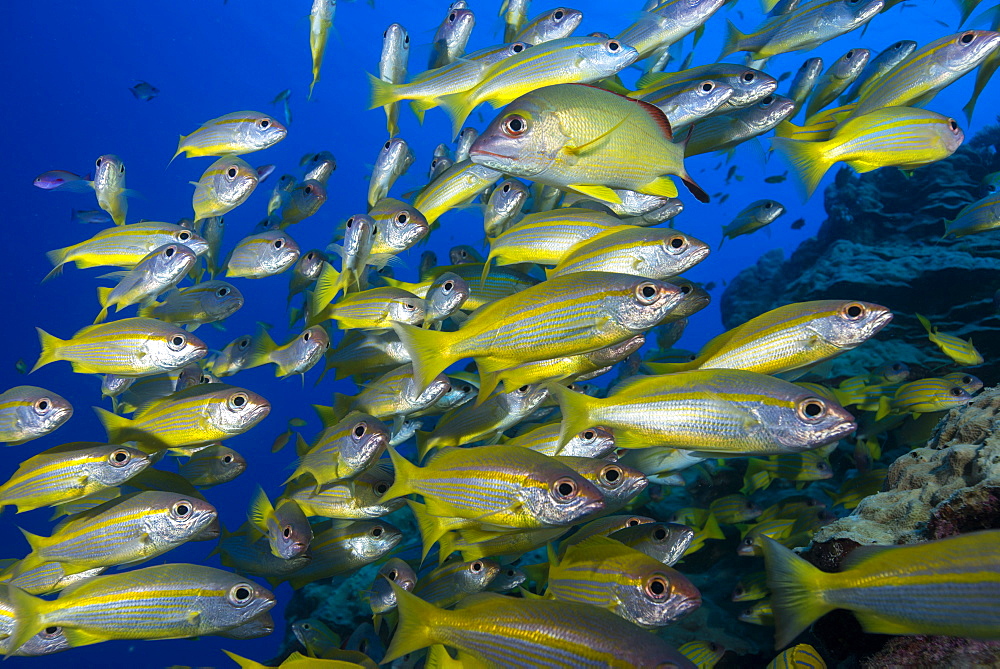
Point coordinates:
pixel 30 412
pixel 199 415
pixel 205 302
pixel 719 411
pixel 225 185
pixel 129 347
pixel 164 601
pixel 125 531
pixel 236 133
pixel 69 472
pixel 125 246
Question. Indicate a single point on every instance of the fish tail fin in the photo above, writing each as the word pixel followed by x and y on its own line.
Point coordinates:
pixel 424 443
pixel 260 352
pixel 431 528
pixel 405 471
pixel 756 478
pixel 807 158
pixel 733 39
pixel 575 409
pixel 50 348
pixel 489 379
pixel 383 93
pixel 416 624
pixel 430 351
pixel 103 292
pixel 884 408
pixel 926 323
pixel 970 106
pixel 28 620
pixel 180 149
pixel 326 288
pixel 114 425
pixel 243 662
pixel 796 591
pixel 712 529
pixel 260 510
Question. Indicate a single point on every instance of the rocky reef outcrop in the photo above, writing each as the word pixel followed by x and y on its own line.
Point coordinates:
pixel 882 242
pixel 950 487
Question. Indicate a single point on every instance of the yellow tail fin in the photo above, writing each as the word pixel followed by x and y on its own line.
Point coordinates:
pixel 416 624
pixel 50 348
pixel 796 591
pixel 430 351
pixel 807 158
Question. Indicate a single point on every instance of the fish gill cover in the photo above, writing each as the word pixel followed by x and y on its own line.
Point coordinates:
pixel 644 417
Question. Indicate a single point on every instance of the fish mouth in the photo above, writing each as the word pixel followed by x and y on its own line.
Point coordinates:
pixel 880 321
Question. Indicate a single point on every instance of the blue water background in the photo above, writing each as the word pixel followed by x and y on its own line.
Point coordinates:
pixel 68 67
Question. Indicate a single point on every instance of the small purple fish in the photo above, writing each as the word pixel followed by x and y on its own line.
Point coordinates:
pixel 263 172
pixel 144 91
pixel 55 179
pixel 91 216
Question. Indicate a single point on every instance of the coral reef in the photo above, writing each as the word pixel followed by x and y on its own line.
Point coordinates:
pixel 950 487
pixel 882 242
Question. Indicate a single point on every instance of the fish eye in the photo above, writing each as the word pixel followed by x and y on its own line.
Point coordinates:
pixel 685 289
pixel 263 123
pixel 306 336
pixel 241 594
pixel 385 147
pixel 42 405
pixel 677 243
pixel 381 488
pixel 565 488
pixel 613 45
pixel 308 190
pixel 350 222
pixel 953 124
pixel 121 169
pixel 406 40
pixel 448 286
pixel 966 380
pixel 612 475
pixel 222 292
pixel 476 567
pixel 51 631
pixel 278 243
pixel 748 77
pixel 231 173
pixel 360 429
pixel 287 531
pixel 707 86
pixel 407 306
pixel 852 311
pixel 120 458
pixel 374 229
pixel 514 126
pixel 227 459
pixel 402 217
pixel 766 102
pixel 182 509
pixel 632 522
pixel 522 390
pixel 956 391
pixel 558 15
pixel 849 55
pixel 657 586
pixel 517 48
pixel 377 531
pixel 811 409
pixel 588 435
pixel 184 236
pixel 169 251
pixel 646 293
pixel 100 160
pixel 176 342
pixel 205 378
pixel 768 205
pixel 967 38
pixel 238 401
pixel 659 534
pixel 506 188
pixel 244 342
pixel 310 255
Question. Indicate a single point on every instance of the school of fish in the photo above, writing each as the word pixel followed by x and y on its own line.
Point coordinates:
pixel 474 415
